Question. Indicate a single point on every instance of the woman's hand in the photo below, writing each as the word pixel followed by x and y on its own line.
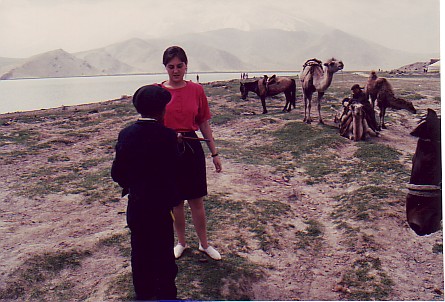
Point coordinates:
pixel 217 163
pixel 207 133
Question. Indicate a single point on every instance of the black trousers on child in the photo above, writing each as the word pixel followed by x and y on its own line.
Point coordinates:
pixel 152 258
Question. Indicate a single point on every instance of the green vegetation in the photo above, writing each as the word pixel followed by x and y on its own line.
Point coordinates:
pixel 30 280
pixel 311 238
pixel 367 281
pixel 365 203
pixel 230 279
pixel 438 248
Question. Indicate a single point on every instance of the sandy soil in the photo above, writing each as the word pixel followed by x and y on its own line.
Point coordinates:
pixel 33 224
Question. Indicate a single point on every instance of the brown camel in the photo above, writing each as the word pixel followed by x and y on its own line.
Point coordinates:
pixel 380 89
pixel 353 124
pixel 316 79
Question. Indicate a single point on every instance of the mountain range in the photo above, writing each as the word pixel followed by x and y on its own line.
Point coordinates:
pixel 215 51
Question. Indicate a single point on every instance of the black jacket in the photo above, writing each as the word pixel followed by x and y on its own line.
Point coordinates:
pixel 145 166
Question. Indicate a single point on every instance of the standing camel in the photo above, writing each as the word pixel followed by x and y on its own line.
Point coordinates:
pixel 315 79
pixel 380 89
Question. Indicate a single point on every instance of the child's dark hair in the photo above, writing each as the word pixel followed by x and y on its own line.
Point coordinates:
pixel 172 52
pixel 150 100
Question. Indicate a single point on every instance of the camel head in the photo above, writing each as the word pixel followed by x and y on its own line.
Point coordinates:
pixel 399 103
pixel 357 110
pixel 333 65
pixel 358 116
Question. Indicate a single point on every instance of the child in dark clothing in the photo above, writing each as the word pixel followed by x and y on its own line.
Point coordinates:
pixel 145 167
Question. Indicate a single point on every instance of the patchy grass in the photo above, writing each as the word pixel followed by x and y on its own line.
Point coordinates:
pixel 122 288
pixel 121 241
pixel 365 203
pixel 230 279
pixel 366 280
pixel 438 248
pixel 307 145
pixel 20 137
pixel 30 281
pixel 379 162
pixel 311 238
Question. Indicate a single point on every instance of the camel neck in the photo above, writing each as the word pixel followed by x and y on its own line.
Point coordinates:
pixel 326 79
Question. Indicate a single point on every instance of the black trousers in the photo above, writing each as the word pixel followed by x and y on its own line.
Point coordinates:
pixel 152 259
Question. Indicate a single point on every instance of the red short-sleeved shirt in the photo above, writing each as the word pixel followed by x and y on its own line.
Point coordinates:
pixel 187 109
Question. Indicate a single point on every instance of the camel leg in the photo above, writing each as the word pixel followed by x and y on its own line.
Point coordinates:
pixel 306 100
pixel 382 117
pixel 320 96
pixel 263 102
pixel 373 101
pixel 368 130
pixel 307 109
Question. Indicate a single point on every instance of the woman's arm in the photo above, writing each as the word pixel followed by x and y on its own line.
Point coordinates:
pixel 206 131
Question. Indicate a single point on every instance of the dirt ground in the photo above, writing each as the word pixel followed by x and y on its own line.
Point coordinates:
pixel 44 213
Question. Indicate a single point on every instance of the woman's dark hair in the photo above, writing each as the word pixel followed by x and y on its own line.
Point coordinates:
pixel 174 51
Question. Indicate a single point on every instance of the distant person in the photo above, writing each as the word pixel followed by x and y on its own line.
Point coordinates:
pixel 145 166
pixel 188 112
pixel 197 78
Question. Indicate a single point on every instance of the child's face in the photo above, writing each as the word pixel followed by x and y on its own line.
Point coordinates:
pixel 176 70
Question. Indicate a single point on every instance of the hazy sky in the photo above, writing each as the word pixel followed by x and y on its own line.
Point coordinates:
pixel 29 27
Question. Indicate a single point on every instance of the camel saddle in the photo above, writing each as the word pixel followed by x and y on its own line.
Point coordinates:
pixel 312 62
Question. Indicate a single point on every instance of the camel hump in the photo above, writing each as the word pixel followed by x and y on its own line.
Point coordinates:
pixel 381 82
pixel 312 62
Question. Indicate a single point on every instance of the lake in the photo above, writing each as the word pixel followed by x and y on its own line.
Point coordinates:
pixel 34 94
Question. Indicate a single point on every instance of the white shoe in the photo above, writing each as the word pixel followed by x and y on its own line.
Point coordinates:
pixel 211 252
pixel 179 249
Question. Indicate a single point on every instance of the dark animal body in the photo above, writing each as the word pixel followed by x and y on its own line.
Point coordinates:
pixel 269 87
pixel 424 199
pixel 380 89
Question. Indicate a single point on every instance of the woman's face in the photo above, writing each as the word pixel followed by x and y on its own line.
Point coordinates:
pixel 176 69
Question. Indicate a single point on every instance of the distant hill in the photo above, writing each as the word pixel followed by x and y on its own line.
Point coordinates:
pixel 56 63
pixel 218 50
pixel 419 67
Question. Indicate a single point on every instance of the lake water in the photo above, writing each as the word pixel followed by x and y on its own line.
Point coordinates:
pixel 34 94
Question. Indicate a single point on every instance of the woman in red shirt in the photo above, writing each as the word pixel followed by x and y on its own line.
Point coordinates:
pixel 187 112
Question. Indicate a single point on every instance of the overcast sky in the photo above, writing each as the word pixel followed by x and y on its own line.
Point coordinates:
pixel 29 27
